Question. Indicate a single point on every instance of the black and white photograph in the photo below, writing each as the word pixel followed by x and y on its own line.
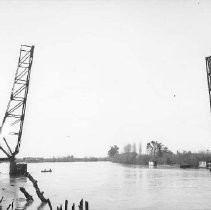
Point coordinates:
pixel 105 105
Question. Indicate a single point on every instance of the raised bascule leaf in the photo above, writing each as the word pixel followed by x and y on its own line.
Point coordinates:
pixel 12 124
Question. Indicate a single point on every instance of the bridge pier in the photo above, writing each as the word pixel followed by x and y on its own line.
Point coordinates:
pixel 17 169
pixel 13 167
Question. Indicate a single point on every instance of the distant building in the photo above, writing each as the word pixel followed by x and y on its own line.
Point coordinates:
pixel 202 164
pixel 152 164
pixel 208 164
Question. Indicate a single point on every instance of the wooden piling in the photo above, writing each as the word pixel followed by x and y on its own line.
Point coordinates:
pixel 86 205
pixel 81 204
pixel 9 207
pixel 66 204
pixel 59 207
pixel 39 193
pixel 73 207
pixel 26 194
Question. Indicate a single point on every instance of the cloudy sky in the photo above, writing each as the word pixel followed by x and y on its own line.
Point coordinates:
pixel 109 72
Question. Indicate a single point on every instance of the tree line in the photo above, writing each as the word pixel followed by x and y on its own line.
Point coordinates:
pixel 156 151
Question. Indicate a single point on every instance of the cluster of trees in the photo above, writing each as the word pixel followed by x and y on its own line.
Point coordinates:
pixel 113 151
pixel 155 148
pixel 156 151
pixel 132 148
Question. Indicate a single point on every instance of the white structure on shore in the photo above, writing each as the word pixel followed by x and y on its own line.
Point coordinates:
pixel 152 164
pixel 202 164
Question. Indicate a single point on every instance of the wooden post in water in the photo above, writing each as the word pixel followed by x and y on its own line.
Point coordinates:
pixel 81 205
pixel 73 207
pixel 9 206
pixel 86 205
pixel 26 194
pixel 66 204
pixel 58 208
pixel 39 193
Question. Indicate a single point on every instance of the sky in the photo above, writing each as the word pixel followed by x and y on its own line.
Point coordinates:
pixel 108 72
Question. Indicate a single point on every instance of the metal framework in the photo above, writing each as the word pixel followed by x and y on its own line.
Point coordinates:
pixel 12 124
pixel 208 67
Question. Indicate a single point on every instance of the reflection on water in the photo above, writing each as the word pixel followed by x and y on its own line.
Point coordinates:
pixel 14 180
pixel 111 186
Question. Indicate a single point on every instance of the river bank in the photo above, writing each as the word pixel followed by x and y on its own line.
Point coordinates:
pixel 180 159
pixel 169 160
pixel 61 159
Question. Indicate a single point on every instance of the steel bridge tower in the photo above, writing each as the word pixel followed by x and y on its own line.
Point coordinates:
pixel 12 124
pixel 208 67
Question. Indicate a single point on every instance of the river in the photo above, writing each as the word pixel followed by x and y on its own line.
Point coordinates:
pixel 111 186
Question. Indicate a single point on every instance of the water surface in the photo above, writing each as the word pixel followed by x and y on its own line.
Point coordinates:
pixel 111 186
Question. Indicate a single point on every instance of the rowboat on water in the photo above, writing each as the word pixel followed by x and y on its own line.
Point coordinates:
pixel 46 170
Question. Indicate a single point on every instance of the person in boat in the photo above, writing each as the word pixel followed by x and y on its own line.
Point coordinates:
pixel 46 170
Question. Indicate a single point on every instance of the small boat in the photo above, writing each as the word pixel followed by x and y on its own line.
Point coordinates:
pixel 46 170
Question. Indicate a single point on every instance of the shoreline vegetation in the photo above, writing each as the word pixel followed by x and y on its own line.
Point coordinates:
pixel 133 158
pixel 159 153
pixel 174 160
pixel 61 159
pixel 155 152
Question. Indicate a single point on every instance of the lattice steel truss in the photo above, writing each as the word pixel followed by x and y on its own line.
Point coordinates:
pixel 15 113
pixel 208 67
